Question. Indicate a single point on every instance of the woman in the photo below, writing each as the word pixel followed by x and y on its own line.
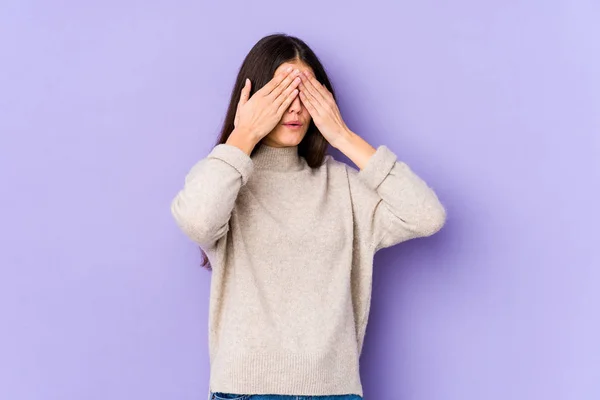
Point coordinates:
pixel 290 232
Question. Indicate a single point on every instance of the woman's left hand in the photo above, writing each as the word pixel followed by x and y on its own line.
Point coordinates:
pixel 322 108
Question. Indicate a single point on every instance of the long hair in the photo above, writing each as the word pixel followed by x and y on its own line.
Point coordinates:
pixel 259 66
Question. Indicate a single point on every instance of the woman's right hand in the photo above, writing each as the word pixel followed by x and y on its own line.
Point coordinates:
pixel 260 114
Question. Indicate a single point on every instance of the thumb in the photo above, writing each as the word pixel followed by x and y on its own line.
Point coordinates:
pixel 245 92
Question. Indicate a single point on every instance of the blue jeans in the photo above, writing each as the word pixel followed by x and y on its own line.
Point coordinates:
pixel 232 396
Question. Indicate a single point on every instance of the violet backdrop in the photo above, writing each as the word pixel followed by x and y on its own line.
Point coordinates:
pixel 104 106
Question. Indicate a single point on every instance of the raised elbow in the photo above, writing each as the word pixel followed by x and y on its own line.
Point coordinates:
pixel 194 224
pixel 434 220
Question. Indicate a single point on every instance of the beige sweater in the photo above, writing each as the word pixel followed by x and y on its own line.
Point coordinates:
pixel 292 254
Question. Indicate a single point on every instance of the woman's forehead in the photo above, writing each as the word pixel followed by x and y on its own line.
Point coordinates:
pixel 296 64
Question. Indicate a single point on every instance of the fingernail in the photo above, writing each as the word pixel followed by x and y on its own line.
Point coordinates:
pixel 296 72
pixel 288 69
pixel 247 81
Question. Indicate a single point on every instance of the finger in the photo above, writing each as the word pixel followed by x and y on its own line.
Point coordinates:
pixel 309 93
pixel 315 82
pixel 292 78
pixel 312 110
pixel 288 100
pixel 321 91
pixel 276 80
pixel 311 89
pixel 283 95
pixel 245 93
pixel 326 92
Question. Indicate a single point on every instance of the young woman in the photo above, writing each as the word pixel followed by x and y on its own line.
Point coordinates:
pixel 290 232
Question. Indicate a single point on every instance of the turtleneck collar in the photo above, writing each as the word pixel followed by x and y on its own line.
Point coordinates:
pixel 277 158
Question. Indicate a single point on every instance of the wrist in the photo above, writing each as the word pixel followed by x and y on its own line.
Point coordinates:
pixel 242 138
pixel 355 148
pixel 344 139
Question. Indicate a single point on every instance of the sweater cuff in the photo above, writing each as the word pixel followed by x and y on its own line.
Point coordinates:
pixel 378 167
pixel 235 157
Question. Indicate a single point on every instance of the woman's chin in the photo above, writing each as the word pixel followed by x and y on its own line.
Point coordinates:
pixel 285 138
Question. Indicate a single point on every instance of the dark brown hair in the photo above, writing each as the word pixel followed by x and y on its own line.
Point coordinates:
pixel 259 66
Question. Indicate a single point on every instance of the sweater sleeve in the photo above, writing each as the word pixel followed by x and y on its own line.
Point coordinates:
pixel 391 203
pixel 203 206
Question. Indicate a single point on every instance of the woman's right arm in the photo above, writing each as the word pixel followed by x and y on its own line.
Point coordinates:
pixel 202 208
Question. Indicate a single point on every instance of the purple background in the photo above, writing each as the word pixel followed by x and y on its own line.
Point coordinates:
pixel 104 106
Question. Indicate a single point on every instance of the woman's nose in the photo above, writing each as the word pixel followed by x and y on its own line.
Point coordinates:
pixel 296 105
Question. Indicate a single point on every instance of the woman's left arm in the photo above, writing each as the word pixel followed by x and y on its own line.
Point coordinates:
pixel 391 203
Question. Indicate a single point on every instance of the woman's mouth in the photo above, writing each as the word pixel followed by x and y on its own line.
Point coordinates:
pixel 293 125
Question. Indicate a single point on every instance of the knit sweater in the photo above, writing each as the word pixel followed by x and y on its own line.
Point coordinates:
pixel 291 249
